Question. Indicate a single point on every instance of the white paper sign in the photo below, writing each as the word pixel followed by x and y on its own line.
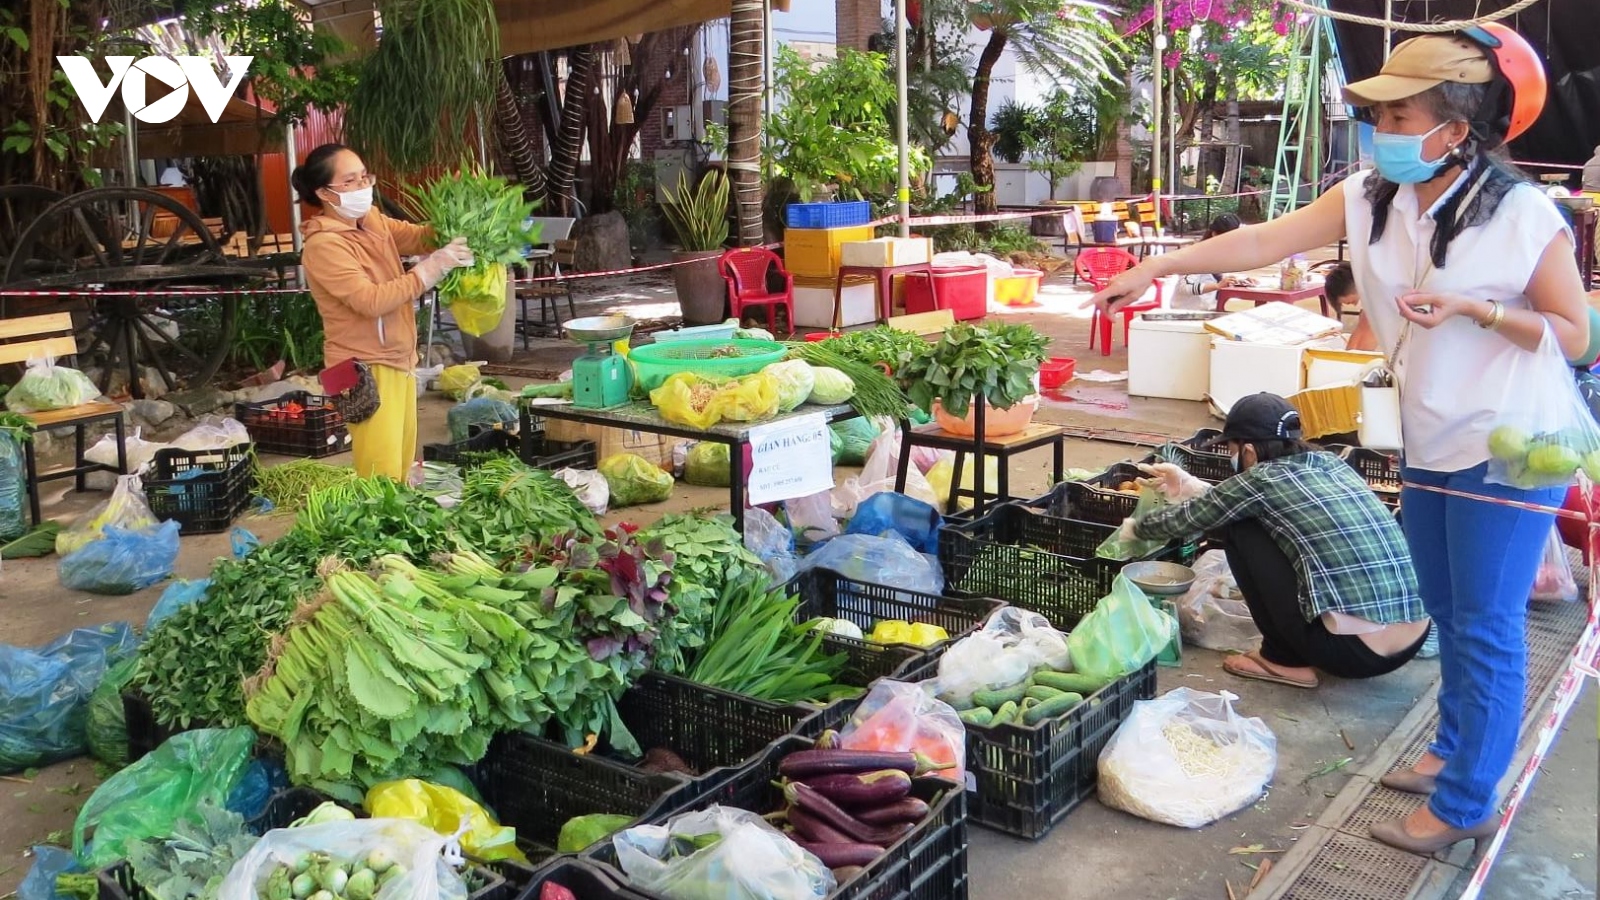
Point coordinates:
pixel 790 459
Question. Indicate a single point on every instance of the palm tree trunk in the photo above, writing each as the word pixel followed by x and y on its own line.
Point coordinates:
pixel 569 140
pixel 980 139
pixel 512 133
pixel 745 62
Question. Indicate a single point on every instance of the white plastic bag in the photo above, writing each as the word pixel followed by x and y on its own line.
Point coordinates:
pixel 811 518
pixel 140 453
pixel 591 487
pixel 1004 652
pixel 125 509
pixel 1213 613
pixel 430 860
pixel 1543 430
pixel 1187 759
pixel 751 861
pixel 900 717
pixel 1555 583
pixel 45 386
pixel 213 433
pixel 878 475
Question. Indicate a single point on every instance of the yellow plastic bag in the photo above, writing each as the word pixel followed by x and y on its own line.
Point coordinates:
pixel 943 471
pixel 454 381
pixel 477 299
pixel 442 808
pixel 686 398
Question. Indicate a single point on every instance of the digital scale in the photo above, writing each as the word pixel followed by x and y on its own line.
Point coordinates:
pixel 602 377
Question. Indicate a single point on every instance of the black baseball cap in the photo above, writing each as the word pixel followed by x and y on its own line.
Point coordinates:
pixel 1261 417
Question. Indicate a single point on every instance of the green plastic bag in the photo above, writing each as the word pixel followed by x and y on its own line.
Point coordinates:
pixel 107 724
pixel 855 439
pixel 1124 632
pixel 634 480
pixel 147 798
pixel 707 465
pixel 1114 547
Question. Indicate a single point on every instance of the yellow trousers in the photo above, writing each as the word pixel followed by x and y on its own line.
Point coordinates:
pixel 386 444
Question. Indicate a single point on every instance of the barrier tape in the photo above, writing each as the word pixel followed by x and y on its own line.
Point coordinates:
pixel 1581 664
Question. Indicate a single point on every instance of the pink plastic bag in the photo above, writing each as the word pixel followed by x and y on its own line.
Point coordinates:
pixel 1555 582
pixel 902 717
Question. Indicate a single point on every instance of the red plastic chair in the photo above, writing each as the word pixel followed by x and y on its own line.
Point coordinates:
pixel 1097 266
pixel 745 270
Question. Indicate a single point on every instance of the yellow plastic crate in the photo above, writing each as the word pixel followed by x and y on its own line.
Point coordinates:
pixel 814 252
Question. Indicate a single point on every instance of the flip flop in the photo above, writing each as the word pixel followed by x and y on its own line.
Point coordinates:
pixel 1263 671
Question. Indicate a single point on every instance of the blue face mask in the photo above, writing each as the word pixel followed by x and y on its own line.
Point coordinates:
pixel 1399 157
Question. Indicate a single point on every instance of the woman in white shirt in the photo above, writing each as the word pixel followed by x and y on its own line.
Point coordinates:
pixel 1462 268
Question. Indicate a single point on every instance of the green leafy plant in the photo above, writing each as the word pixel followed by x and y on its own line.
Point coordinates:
pixel 634 198
pixel 997 362
pixel 699 215
pixel 48 138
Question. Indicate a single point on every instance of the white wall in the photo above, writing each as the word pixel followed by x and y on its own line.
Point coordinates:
pixel 807 21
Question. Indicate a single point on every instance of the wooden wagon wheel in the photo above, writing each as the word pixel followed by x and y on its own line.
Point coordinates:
pixel 108 239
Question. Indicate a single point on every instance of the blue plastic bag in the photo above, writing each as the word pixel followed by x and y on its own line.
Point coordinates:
pixel 44 693
pixel 13 487
pixel 177 595
pixel 908 517
pixel 48 862
pixel 121 562
pixel 888 559
pixel 243 541
pixel 260 783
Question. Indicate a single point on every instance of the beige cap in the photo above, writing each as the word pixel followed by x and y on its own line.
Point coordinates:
pixel 1422 63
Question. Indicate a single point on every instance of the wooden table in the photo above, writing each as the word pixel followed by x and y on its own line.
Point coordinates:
pixel 885 276
pixel 1259 295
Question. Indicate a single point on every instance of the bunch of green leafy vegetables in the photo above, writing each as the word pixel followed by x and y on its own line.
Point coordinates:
pixel 890 346
pixel 192 862
pixel 705 554
pixel 507 508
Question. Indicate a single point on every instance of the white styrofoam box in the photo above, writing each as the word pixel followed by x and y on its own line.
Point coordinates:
pixel 1325 367
pixel 1169 360
pixel 886 252
pixel 813 303
pixel 1242 368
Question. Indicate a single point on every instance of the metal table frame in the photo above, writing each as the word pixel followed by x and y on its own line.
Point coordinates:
pixel 641 416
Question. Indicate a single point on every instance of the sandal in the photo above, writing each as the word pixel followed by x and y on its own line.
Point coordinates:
pixel 1261 670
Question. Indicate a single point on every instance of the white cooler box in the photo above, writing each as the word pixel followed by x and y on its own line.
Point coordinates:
pixel 1242 368
pixel 1169 359
pixel 887 252
pixel 813 301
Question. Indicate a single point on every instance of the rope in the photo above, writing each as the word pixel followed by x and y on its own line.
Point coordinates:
pixel 1421 27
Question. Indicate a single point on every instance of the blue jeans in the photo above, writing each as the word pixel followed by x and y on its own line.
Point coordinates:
pixel 1476 563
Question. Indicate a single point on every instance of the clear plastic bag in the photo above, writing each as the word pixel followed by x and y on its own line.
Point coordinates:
pixel 887 559
pixel 13 487
pixel 633 480
pixel 168 784
pixel 1554 582
pixel 908 517
pixel 942 473
pixel 1543 431
pixel 1213 614
pixel 811 518
pixel 44 693
pixel 430 860
pixel 590 486
pixel 706 464
pixel 125 508
pixel 1187 759
pixel 771 542
pixel 1114 547
pixel 445 809
pixel 1123 632
pixel 122 562
pixel 48 862
pixel 751 860
pixel 213 433
pixel 485 412
pixel 900 717
pixel 878 475
pixel 177 595
pixel 138 451
pixel 1009 647
pixel 45 386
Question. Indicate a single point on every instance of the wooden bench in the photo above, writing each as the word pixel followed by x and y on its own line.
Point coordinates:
pixel 34 337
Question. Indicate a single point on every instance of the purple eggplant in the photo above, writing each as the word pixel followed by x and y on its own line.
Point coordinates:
pixel 867 791
pixel 813 829
pixel 812 763
pixel 814 805
pixel 909 809
pixel 836 856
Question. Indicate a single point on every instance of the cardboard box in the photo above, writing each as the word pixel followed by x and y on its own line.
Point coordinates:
pixel 813 301
pixel 886 252
pixel 656 448
pixel 814 252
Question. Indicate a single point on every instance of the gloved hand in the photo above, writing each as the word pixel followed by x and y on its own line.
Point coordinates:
pixel 1126 533
pixel 438 264
pixel 1176 484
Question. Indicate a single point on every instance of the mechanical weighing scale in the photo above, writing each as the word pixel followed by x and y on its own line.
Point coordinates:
pixel 602 377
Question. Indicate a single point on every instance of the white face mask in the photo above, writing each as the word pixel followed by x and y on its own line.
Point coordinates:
pixel 355 204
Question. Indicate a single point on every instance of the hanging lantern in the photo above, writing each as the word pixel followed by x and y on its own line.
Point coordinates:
pixel 713 74
pixel 623 113
pixel 620 53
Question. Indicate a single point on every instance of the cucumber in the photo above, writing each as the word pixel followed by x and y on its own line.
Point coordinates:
pixel 996 698
pixel 976 716
pixel 1071 682
pixel 1044 692
pixel 1051 708
pixel 1027 704
pixel 1005 715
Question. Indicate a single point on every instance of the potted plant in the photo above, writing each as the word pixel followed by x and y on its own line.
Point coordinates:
pixel 699 218
pixel 995 364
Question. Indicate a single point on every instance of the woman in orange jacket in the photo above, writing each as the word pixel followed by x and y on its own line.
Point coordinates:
pixel 351 257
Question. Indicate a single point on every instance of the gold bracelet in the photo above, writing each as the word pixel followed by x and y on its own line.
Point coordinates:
pixel 1497 314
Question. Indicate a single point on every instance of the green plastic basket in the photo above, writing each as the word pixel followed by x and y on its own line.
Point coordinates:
pixel 653 363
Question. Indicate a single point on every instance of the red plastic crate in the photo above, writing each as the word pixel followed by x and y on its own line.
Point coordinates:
pixel 964 290
pixel 1056 371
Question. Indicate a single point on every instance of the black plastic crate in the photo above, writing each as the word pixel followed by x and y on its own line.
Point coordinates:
pixel 542 453
pixel 824 592
pixel 1095 500
pixel 1205 465
pixel 481 443
pixel 1023 780
pixel 584 879
pixel 314 430
pixel 1380 470
pixel 930 863
pixel 1035 561
pixel 202 490
pixel 144 732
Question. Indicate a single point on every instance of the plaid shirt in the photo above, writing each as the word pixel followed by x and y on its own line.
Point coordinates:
pixel 1347 549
